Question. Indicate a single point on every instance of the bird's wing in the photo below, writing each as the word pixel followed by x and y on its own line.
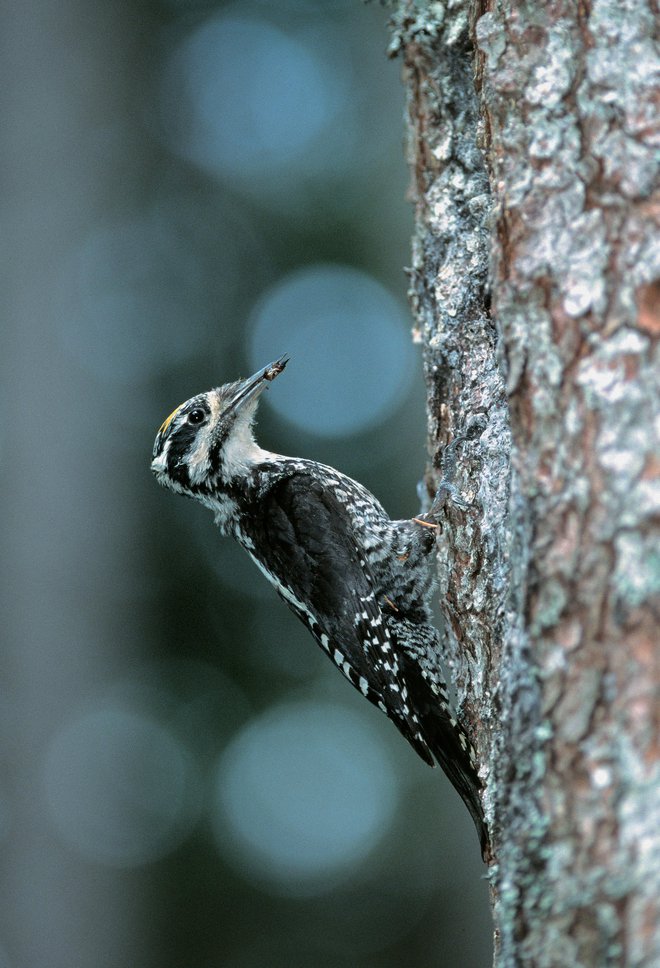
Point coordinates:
pixel 301 537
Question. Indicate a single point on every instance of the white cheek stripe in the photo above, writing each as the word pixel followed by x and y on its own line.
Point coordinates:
pixel 159 464
pixel 197 458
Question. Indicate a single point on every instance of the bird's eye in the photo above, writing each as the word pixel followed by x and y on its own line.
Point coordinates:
pixel 196 416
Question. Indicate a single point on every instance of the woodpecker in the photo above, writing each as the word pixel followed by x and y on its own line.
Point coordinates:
pixel 358 580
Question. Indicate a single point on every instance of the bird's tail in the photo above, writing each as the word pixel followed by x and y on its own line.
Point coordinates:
pixel 455 754
pixel 446 740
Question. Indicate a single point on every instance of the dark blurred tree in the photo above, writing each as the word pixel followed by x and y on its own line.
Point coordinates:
pixel 536 298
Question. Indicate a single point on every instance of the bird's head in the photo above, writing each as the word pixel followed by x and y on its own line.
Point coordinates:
pixel 208 440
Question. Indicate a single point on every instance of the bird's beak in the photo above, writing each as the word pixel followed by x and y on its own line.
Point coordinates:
pixel 255 385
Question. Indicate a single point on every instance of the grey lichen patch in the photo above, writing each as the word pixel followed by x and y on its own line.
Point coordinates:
pixel 626 82
pixel 629 163
pixel 457 25
pixel 576 706
pixel 557 138
pixel 551 77
pixel 623 459
pixel 490 38
pixel 636 576
pixel 639 820
pixel 604 373
pixel 416 21
pixel 619 386
pixel 584 286
pixel 548 607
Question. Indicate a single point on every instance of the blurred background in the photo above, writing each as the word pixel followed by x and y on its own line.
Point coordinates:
pixel 190 189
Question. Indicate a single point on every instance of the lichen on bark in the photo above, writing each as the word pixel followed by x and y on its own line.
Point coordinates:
pixel 535 290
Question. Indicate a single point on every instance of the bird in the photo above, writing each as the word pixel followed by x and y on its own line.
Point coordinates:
pixel 359 581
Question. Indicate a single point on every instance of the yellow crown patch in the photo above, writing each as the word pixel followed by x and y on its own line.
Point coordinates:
pixel 168 420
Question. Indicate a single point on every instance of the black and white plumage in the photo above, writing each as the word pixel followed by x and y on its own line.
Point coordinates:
pixel 359 581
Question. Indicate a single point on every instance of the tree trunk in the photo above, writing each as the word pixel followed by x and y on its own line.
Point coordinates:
pixel 537 301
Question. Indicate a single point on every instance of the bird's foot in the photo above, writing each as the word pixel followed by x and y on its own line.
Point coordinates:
pixel 447 490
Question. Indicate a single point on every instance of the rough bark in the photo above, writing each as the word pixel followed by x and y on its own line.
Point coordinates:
pixel 535 288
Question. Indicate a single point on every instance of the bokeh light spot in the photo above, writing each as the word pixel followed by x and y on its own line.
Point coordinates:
pixel 351 356
pixel 246 97
pixel 303 793
pixel 137 296
pixel 120 787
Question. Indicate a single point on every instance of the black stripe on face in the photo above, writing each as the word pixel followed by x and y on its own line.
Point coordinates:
pixel 179 436
pixel 217 443
pixel 180 443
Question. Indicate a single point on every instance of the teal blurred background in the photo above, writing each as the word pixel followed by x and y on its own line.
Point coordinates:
pixel 191 189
